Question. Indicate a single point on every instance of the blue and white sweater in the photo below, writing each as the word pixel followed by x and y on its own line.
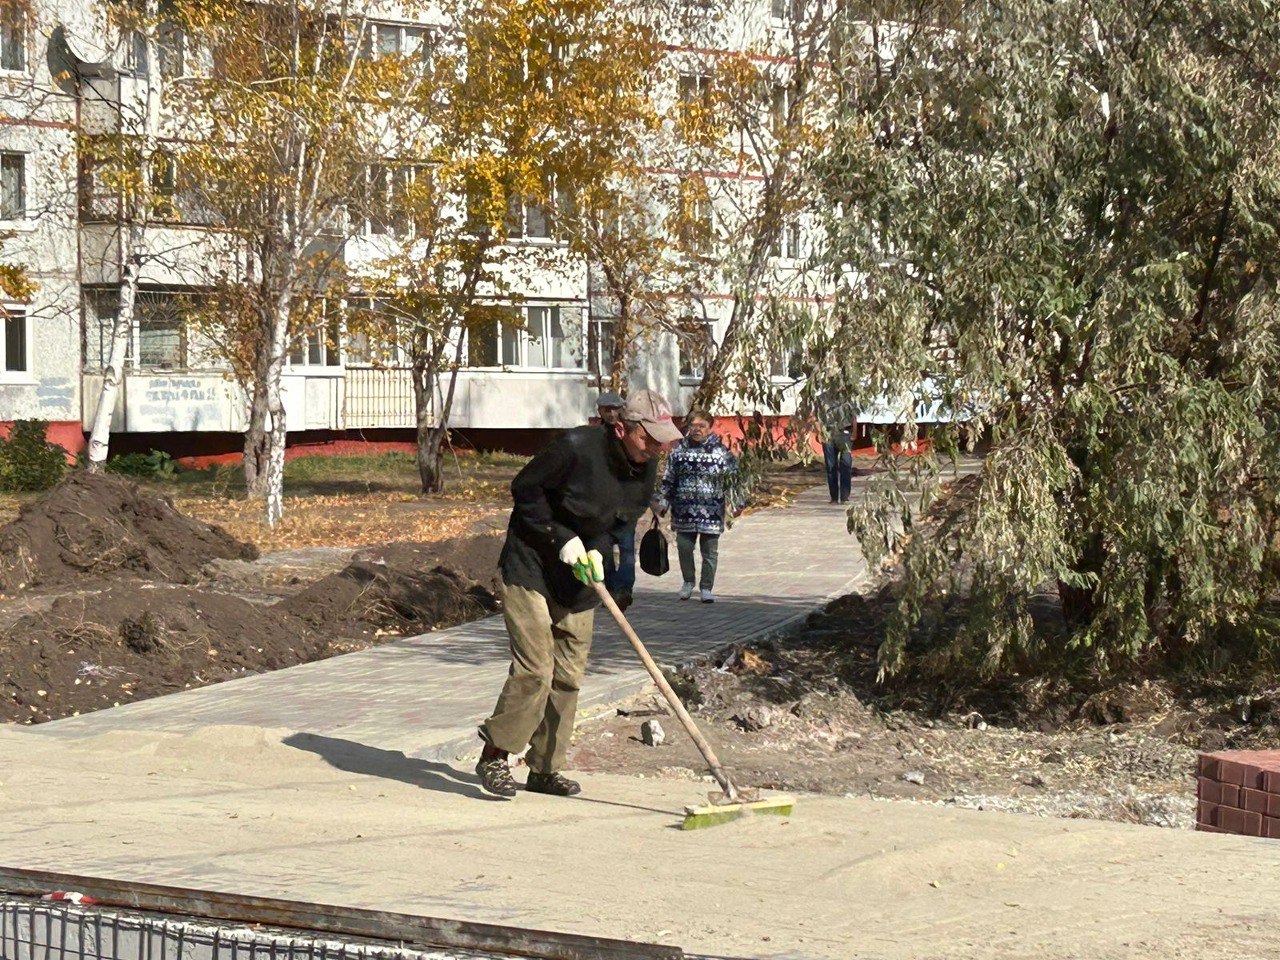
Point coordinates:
pixel 695 485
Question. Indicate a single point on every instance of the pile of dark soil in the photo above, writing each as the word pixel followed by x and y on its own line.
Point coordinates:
pixel 473 557
pixel 402 589
pixel 114 641
pixel 131 641
pixel 794 716
pixel 93 525
pixel 108 604
pixel 839 646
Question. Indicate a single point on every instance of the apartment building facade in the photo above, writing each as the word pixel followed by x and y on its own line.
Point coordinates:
pixel 64 75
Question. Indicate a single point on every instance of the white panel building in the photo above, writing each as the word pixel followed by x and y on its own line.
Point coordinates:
pixel 63 76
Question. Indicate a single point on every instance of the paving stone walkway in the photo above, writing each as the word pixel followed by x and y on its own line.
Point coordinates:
pixel 425 695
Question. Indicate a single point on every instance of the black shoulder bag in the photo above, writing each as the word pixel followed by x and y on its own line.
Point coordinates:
pixel 653 551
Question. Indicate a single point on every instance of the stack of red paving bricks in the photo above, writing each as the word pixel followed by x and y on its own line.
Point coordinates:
pixel 1239 792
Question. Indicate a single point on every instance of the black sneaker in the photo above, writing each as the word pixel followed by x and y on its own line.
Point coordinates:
pixel 623 599
pixel 553 784
pixel 495 777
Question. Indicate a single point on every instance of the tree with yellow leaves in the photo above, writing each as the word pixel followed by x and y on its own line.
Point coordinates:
pixel 533 103
pixel 278 142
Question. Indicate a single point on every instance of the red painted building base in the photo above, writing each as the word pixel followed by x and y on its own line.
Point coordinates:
pixel 68 434
pixel 201 450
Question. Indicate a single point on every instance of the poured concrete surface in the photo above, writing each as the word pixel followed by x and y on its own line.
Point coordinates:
pixel 269 813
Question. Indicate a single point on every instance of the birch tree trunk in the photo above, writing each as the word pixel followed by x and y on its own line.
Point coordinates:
pixel 620 347
pixel 139 213
pixel 255 442
pixel 276 433
pixel 426 455
pixel 433 431
pixel 113 375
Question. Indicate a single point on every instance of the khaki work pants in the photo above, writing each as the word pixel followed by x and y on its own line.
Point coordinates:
pixel 549 647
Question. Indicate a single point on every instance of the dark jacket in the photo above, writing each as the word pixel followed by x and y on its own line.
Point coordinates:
pixel 580 485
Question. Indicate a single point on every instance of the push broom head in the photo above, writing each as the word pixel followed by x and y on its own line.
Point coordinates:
pixel 715 813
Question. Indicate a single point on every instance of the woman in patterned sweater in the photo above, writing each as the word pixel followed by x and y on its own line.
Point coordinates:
pixel 694 489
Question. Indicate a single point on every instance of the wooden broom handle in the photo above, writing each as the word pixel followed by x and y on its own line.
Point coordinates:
pixel 717 771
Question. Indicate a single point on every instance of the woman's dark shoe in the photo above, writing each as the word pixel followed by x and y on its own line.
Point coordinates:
pixel 553 784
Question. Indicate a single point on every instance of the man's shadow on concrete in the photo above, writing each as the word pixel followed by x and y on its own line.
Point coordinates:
pixel 388 764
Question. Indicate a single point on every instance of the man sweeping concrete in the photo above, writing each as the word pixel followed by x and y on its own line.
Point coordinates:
pixel 566 500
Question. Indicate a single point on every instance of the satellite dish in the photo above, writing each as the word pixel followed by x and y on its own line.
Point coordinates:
pixel 87 40
pixel 89 53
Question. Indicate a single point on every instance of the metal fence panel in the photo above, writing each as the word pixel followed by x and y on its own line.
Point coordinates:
pixel 30 930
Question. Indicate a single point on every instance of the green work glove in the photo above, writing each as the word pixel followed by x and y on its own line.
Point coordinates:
pixel 588 565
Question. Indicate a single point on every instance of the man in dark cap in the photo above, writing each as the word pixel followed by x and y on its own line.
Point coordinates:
pixel 609 407
pixel 619 571
pixel 566 500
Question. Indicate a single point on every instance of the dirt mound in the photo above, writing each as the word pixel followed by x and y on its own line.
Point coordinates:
pixel 108 640
pixel 92 525
pixel 130 641
pixel 404 588
pixel 474 557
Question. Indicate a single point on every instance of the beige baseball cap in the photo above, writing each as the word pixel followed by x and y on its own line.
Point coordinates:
pixel 652 410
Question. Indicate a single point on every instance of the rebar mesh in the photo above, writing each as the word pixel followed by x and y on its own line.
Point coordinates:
pixel 31 930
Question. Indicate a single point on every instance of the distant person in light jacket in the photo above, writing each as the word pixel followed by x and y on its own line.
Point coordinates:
pixel 695 490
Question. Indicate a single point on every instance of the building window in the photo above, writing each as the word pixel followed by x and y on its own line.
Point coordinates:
pixel 14 357
pixel 785 366
pixel 158 340
pixel 784 10
pixel 600 347
pixel 372 334
pixel 493 337
pixel 534 219
pixel 399 40
pixel 137 59
pixel 694 88
pixel 318 346
pixel 696 226
pixel 554 338
pixel 182 55
pixel 694 107
pixel 779 104
pixel 99 197
pixel 175 193
pixel 394 199
pixel 787 243
pixel 538 220
pixel 162 341
pixel 13 186
pixel 13 36
pixel 100 318
pixel 696 344
pixel 539 338
pixel 164 186
pixel 171 45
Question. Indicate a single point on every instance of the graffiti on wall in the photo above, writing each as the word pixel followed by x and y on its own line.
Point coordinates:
pixel 160 403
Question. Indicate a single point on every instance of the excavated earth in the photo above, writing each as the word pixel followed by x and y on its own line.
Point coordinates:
pixel 807 712
pixel 108 595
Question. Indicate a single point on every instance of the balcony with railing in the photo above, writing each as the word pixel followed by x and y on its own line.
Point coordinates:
pixel 378 398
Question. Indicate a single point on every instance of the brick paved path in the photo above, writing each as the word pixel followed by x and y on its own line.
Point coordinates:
pixel 425 695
